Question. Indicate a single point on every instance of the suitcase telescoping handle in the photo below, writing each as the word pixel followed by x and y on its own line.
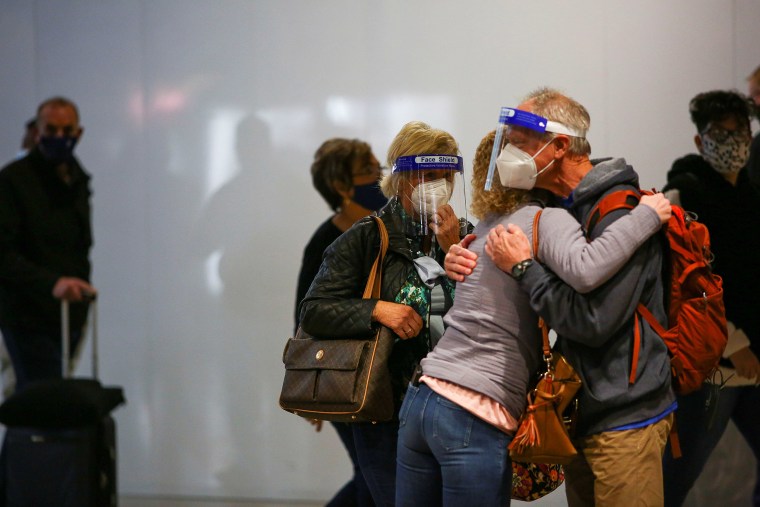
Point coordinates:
pixel 66 338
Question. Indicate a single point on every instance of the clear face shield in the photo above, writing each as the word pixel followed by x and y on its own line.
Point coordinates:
pixel 431 191
pixel 517 168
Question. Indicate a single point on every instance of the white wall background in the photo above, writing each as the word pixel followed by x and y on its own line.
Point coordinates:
pixel 201 119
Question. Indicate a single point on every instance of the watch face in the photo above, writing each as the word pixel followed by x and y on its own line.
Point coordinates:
pixel 518 270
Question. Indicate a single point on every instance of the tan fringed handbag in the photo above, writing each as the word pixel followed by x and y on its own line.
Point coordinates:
pixel 542 433
pixel 343 380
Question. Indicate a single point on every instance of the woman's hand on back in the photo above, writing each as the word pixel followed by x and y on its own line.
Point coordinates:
pixel 459 261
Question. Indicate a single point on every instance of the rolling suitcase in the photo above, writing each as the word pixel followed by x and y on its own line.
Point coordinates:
pixel 60 444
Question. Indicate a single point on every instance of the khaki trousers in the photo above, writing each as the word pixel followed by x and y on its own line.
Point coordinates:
pixel 619 468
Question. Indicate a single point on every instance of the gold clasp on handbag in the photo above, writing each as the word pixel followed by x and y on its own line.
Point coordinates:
pixel 320 354
pixel 549 373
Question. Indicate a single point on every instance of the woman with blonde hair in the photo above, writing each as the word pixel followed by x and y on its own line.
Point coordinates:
pixel 459 416
pixel 421 225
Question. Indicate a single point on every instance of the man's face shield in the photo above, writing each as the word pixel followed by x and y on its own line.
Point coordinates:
pixel 515 131
pixel 432 192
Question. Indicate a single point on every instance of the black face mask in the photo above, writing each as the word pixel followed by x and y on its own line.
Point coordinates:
pixel 58 150
pixel 370 196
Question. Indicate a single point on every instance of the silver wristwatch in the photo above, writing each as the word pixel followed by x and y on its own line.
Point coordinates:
pixel 519 269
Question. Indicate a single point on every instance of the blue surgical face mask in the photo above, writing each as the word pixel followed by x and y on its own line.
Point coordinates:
pixel 369 196
pixel 58 149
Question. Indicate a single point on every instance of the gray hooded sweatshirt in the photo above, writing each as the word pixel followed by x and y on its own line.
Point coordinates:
pixel 596 330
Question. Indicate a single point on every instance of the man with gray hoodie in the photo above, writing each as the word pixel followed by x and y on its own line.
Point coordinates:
pixel 626 404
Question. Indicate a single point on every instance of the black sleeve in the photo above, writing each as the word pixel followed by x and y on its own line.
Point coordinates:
pixel 333 306
pixel 691 191
pixel 15 267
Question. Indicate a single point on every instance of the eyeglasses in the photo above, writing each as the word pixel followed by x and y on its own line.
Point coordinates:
pixel 721 135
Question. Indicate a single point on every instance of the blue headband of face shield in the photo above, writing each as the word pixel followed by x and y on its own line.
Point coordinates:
pixel 428 162
pixel 519 118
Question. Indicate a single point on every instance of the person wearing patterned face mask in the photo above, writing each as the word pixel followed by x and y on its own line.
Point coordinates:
pixel 715 185
pixel 725 146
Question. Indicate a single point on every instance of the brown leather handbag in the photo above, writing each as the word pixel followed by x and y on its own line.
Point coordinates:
pixel 542 433
pixel 344 380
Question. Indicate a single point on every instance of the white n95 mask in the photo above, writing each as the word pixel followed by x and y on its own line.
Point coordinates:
pixel 517 169
pixel 429 196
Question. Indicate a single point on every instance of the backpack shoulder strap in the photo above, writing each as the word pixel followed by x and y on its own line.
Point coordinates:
pixel 621 199
pixel 653 322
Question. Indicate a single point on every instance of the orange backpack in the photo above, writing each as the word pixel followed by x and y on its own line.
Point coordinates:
pixel 696 334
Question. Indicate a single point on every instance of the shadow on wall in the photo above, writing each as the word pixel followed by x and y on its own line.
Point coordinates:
pixel 241 234
pixel 239 225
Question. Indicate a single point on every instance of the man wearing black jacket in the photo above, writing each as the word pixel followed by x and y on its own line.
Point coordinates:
pixel 45 240
pixel 715 185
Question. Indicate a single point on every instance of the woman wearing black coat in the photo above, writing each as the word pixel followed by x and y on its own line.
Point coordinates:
pixel 421 226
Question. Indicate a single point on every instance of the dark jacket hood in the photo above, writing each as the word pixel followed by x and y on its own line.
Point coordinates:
pixel 606 174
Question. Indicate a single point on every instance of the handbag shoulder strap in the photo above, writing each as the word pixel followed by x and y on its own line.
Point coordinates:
pixel 545 347
pixel 372 290
pixel 536 219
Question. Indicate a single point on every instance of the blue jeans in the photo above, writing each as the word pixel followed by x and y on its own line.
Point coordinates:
pixel 36 355
pixel 355 492
pixel 375 446
pixel 699 431
pixel 449 457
